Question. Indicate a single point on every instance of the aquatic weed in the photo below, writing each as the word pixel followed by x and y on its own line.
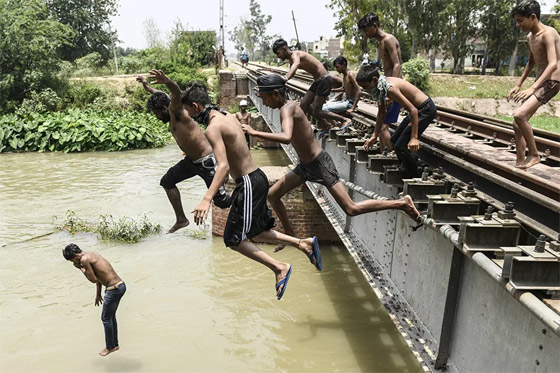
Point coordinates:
pixel 202 233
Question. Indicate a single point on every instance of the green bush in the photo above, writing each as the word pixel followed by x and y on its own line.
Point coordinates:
pixel 81 130
pixel 40 102
pixel 82 93
pixel 417 72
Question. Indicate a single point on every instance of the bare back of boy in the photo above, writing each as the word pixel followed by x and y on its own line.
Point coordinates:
pixel 415 96
pixel 102 269
pixel 351 87
pixel 188 134
pixel 228 128
pixel 308 63
pixel 304 142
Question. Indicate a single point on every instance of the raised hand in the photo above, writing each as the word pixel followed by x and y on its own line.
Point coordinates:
pixel 141 79
pixel 158 76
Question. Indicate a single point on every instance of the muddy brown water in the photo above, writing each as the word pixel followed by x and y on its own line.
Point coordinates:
pixel 191 305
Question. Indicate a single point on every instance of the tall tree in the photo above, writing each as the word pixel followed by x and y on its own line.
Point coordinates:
pixel 29 41
pixel 152 33
pixel 461 22
pixel 242 36
pixel 258 23
pixel 90 20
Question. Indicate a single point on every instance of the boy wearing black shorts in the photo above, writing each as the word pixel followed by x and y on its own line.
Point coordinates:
pixel 316 165
pixel 249 216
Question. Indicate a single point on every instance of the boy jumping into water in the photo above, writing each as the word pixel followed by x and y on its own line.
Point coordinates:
pixel 544 52
pixel 315 165
pixel 99 271
pixel 198 160
pixel 388 51
pixel 421 112
pixel 249 216
pixel 318 91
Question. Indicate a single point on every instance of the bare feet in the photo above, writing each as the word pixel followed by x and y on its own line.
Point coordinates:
pixel 529 162
pixel 285 268
pixel 279 247
pixel 409 208
pixel 178 225
pixel 106 352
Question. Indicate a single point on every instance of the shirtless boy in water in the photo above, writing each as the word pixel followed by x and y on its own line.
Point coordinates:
pixel 249 216
pixel 316 165
pixel 389 52
pixel 198 160
pixel 318 91
pixel 99 271
pixel 544 52
pixel 244 117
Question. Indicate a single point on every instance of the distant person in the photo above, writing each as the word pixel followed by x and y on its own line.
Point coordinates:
pixel 316 165
pixel 365 58
pixel 244 58
pixel 544 52
pixel 244 117
pixel 319 91
pixel 199 159
pixel 351 89
pixel 100 272
pixel 421 112
pixel 249 217
pixel 388 51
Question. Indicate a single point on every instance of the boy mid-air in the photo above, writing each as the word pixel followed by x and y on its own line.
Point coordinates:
pixel 99 271
pixel 544 52
pixel 316 165
pixel 199 159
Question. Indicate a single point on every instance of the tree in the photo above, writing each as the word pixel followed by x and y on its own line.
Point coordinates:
pixel 90 20
pixel 152 33
pixel 242 36
pixel 29 45
pixel 257 24
pixel 461 20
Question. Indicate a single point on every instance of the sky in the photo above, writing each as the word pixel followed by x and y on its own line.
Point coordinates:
pixel 313 18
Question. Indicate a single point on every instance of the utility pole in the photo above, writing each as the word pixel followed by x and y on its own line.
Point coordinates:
pixel 298 45
pixel 114 51
pixel 222 38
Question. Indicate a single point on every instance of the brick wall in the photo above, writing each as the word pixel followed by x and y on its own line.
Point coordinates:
pixel 259 124
pixel 228 89
pixel 303 211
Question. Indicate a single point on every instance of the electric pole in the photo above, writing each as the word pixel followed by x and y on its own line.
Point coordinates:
pixel 298 45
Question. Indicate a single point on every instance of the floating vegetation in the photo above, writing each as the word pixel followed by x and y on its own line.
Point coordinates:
pixel 123 229
pixel 202 233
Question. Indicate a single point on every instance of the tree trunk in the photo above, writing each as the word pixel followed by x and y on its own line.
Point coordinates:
pixel 485 58
pixel 432 55
pixel 512 60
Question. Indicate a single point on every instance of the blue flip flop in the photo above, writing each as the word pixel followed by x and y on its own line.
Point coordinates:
pixel 342 130
pixel 284 281
pixel 323 133
pixel 316 254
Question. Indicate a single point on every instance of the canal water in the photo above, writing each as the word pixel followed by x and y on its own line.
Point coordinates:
pixel 191 305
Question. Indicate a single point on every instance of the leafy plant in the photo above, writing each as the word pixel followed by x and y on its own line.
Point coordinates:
pixel 81 130
pixel 123 229
pixel 417 72
pixel 202 233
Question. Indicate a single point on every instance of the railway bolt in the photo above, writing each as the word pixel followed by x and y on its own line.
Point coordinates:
pixel 488 214
pixel 539 246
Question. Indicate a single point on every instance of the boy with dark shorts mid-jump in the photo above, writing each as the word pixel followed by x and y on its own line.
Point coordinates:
pixel 316 165
pixel 421 112
pixel 544 52
pixel 199 159
pixel 319 91
pixel 249 216
pixel 99 271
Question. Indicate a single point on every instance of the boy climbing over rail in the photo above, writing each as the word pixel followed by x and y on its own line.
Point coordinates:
pixel 99 271
pixel 544 52
pixel 318 91
pixel 421 112
pixel 249 216
pixel 316 165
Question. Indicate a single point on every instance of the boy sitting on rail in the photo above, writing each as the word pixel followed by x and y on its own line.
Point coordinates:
pixel 316 165
pixel 249 216
pixel 318 91
pixel 420 107
pixel 544 51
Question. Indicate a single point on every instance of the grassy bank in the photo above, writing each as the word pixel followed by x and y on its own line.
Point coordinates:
pixel 542 122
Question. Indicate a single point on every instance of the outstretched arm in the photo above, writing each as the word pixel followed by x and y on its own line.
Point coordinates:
pixel 526 71
pixel 161 78
pixel 284 137
pixel 378 123
pixel 142 79
pixel 214 136
pixel 356 88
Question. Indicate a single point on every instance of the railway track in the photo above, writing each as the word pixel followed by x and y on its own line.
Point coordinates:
pixel 481 151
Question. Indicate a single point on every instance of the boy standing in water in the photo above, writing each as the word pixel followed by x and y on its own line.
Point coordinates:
pixel 421 112
pixel 388 51
pixel 198 160
pixel 99 271
pixel 249 216
pixel 316 165
pixel 244 117
pixel 544 52
pixel 318 91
